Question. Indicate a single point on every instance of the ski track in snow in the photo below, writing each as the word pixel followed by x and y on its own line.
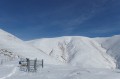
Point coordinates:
pixel 9 75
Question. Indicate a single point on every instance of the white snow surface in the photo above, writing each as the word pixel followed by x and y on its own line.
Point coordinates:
pixel 112 45
pixel 68 57
pixel 11 71
pixel 19 47
pixel 76 51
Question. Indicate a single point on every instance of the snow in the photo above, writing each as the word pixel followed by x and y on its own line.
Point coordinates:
pixel 76 51
pixel 19 47
pixel 59 72
pixel 10 74
pixel 112 45
pixel 67 57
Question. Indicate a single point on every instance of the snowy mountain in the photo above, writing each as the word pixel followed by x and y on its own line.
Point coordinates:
pixel 13 44
pixel 68 57
pixel 77 51
pixel 68 50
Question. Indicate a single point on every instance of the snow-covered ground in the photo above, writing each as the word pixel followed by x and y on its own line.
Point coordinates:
pixel 68 57
pixel 11 71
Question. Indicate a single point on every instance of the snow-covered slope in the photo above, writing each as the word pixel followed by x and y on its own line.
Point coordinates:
pixel 85 58
pixel 13 44
pixel 71 50
pixel 76 51
pixel 112 45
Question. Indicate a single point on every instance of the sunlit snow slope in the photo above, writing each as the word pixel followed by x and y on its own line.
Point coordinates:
pixel 70 50
pixel 11 43
pixel 76 51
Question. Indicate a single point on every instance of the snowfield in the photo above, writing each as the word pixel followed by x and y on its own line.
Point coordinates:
pixel 75 50
pixel 11 71
pixel 68 57
pixel 19 47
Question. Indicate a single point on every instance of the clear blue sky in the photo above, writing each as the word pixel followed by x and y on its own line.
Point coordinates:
pixel 31 19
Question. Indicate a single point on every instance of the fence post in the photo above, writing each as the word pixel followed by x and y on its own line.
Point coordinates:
pixel 28 64
pixel 35 64
pixel 42 63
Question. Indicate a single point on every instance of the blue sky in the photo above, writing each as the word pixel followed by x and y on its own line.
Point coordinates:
pixel 31 19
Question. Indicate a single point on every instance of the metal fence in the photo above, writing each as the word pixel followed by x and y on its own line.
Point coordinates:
pixel 30 65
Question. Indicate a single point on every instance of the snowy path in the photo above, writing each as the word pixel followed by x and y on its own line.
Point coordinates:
pixel 9 75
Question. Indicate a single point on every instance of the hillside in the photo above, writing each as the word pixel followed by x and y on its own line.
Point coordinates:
pixel 70 50
pixel 68 57
pixel 13 44
pixel 112 45
pixel 76 51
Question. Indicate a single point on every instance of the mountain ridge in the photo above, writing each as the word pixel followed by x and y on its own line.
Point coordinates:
pixel 85 41
pixel 11 43
pixel 67 50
